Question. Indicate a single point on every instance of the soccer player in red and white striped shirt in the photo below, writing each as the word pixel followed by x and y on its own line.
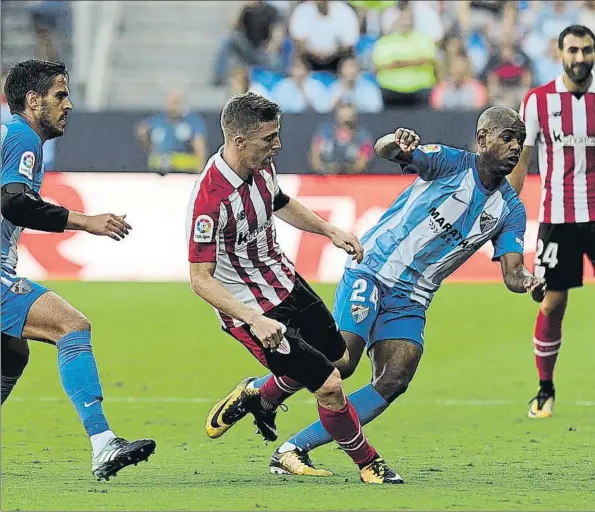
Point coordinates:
pixel 560 122
pixel 237 266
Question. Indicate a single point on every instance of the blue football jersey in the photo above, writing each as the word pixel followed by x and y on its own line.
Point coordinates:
pixel 22 162
pixel 438 222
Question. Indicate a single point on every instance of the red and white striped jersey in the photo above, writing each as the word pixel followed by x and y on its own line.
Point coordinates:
pixel 562 126
pixel 230 223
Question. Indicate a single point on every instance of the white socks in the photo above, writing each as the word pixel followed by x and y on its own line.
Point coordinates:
pixel 98 441
pixel 287 447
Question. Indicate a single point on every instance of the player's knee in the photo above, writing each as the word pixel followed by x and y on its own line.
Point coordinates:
pixel 331 389
pixel 346 365
pixel 74 322
pixel 392 384
pixel 553 306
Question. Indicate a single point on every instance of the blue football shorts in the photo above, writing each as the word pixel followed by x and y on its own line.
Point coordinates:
pixel 375 312
pixel 18 295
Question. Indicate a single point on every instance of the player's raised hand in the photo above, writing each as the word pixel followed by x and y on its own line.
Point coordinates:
pixel 536 287
pixel 349 243
pixel 406 139
pixel 108 224
pixel 268 331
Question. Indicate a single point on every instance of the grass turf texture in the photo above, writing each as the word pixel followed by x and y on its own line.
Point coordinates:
pixel 460 436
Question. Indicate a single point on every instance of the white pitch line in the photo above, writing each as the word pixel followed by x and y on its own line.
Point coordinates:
pixel 207 400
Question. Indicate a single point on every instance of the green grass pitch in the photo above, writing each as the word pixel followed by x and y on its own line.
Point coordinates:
pixel 460 436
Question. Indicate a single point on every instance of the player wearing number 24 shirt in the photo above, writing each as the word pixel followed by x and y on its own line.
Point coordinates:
pixel 560 121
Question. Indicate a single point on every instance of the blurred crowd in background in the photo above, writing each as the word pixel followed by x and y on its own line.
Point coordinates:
pixel 345 58
pixel 314 54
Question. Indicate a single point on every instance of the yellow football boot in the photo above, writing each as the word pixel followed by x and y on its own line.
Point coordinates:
pixel 542 406
pixel 230 409
pixel 378 472
pixel 295 462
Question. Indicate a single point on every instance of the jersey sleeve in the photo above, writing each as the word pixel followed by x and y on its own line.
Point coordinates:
pixel 208 219
pixel 21 155
pixel 528 113
pixel 280 199
pixel 512 235
pixel 433 161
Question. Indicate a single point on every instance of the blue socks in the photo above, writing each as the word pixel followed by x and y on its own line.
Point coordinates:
pixel 258 383
pixel 80 379
pixel 367 402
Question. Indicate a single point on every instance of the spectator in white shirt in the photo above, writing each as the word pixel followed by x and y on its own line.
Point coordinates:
pixel 351 87
pixel 300 92
pixel 325 32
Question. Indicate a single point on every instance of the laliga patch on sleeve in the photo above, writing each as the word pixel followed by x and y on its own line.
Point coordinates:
pixel 430 148
pixel 26 165
pixel 203 229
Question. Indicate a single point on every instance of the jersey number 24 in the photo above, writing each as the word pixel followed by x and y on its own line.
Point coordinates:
pixel 360 287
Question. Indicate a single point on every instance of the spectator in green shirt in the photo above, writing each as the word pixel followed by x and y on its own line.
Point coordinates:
pixel 404 62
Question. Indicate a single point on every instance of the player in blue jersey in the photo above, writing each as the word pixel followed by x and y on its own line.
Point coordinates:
pixel 459 202
pixel 37 94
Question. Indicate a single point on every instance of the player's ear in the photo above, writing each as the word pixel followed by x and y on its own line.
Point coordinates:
pixel 33 100
pixel 239 142
pixel 481 138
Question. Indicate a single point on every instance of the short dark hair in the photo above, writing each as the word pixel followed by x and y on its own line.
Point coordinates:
pixel 575 30
pixel 30 75
pixel 243 114
pixel 498 117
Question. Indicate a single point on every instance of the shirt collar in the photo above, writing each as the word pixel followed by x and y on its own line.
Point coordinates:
pixel 227 171
pixel 561 86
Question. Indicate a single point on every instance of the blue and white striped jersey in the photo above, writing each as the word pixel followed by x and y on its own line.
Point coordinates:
pixel 438 222
pixel 22 162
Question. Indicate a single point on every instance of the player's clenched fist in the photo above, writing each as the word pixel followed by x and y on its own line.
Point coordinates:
pixel 406 139
pixel 108 224
pixel 268 331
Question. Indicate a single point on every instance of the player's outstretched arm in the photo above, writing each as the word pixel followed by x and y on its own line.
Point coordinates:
pixel 202 282
pixel 518 279
pixel 106 224
pixel 24 207
pixel 304 219
pixel 517 177
pixel 397 147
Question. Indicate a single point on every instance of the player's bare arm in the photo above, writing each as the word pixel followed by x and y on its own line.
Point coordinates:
pixel 518 279
pixel 106 224
pixel 202 282
pixel 398 146
pixel 519 173
pixel 304 219
pixel 24 207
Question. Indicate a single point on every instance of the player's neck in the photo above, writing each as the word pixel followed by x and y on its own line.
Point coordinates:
pixel 34 125
pixel 490 180
pixel 236 164
pixel 577 88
